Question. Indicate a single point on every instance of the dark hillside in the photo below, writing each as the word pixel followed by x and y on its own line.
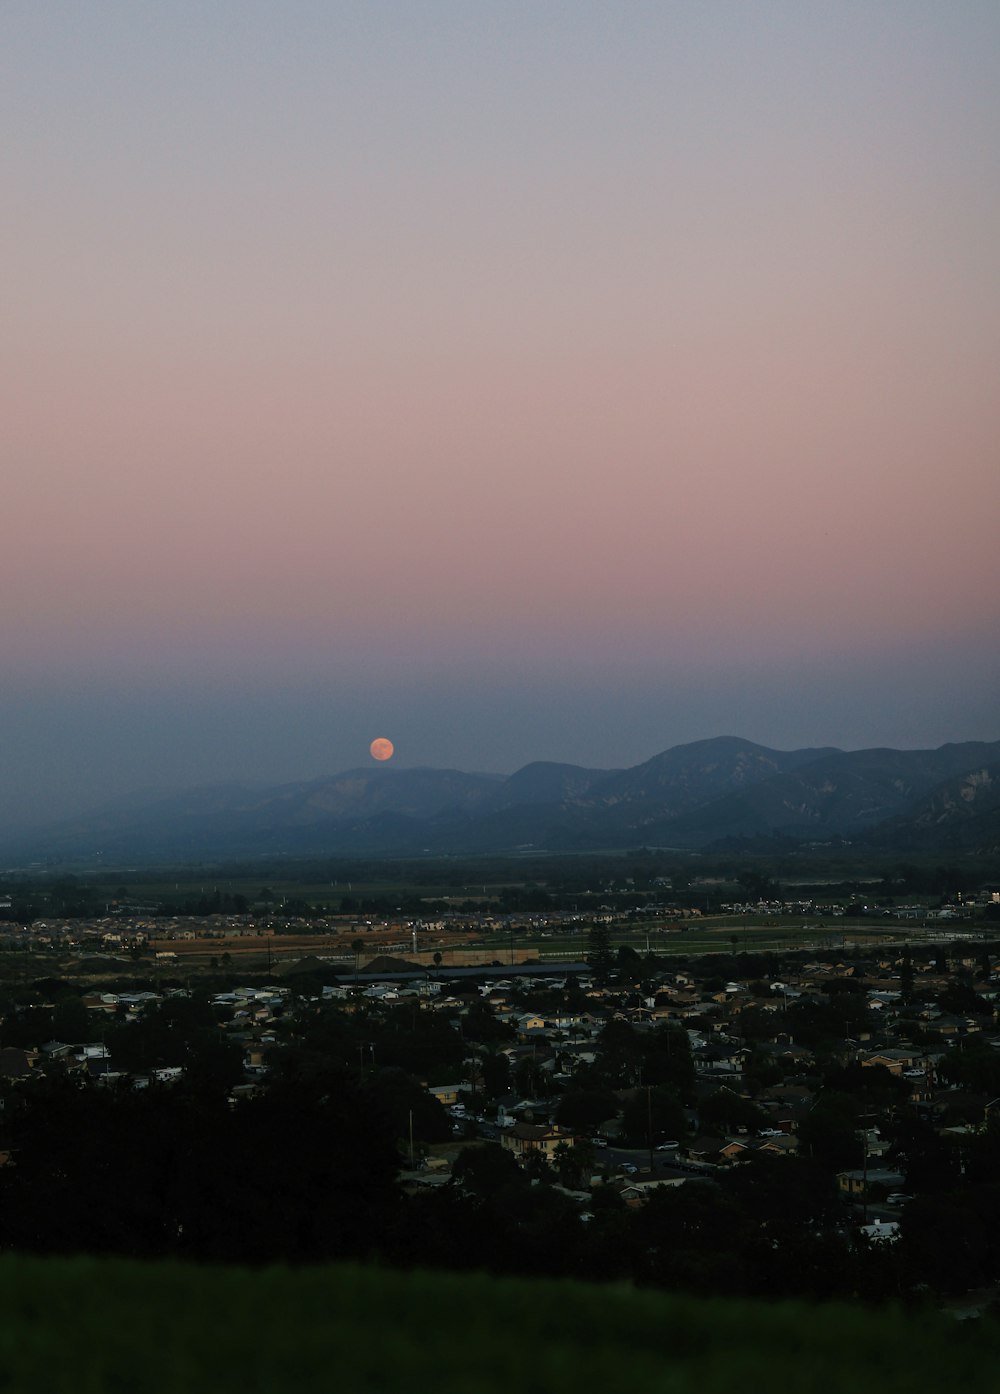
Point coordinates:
pixel 92 1327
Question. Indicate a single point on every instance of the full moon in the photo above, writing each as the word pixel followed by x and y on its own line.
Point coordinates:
pixel 381 749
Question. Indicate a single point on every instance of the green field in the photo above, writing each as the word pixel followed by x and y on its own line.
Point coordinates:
pixel 100 1327
pixel 716 935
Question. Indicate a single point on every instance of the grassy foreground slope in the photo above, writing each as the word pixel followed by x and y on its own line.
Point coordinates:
pixel 107 1327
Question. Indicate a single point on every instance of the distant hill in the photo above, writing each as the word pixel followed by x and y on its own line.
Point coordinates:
pixel 961 813
pixel 698 795
pixel 71 1325
pixel 689 776
pixel 844 794
pixel 546 782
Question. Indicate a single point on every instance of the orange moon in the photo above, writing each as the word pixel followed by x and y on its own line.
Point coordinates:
pixel 381 749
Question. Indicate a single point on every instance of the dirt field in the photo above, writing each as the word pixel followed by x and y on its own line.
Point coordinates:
pixel 251 953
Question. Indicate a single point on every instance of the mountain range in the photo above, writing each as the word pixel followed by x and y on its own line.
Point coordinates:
pixel 713 793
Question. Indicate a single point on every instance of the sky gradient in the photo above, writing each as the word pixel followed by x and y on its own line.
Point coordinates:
pixel 515 380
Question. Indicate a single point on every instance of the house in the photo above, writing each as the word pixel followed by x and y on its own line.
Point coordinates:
pixel 637 1190
pixel 721 1058
pixel 100 1001
pixel 959 1106
pixel 705 1148
pixel 524 1138
pixel 780 1146
pixel 895 1060
pixel 859 1182
pixel 881 1231
pixel 447 1094
pixel 787 1103
pixel 528 1024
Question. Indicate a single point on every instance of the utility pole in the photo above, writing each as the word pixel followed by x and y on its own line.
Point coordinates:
pixel 649 1124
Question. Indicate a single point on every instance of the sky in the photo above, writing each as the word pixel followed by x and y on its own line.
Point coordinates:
pixel 516 380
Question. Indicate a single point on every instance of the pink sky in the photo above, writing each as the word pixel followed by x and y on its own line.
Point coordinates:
pixel 571 352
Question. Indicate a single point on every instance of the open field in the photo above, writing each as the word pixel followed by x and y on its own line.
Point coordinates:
pixel 695 937
pixel 723 936
pixel 256 954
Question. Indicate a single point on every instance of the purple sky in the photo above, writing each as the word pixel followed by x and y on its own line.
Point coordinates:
pixel 515 380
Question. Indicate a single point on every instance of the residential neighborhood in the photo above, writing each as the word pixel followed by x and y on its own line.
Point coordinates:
pixel 868 1079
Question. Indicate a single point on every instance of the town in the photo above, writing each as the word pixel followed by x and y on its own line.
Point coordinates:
pixel 659 1097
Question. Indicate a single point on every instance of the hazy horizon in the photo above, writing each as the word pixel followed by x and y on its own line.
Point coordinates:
pixel 536 381
pixel 153 792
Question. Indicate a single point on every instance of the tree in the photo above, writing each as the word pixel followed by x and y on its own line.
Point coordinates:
pixel 536 1165
pixel 758 885
pixel 962 999
pixel 761 1071
pixel 906 977
pixel 951 1240
pixel 929 1161
pixel 691 1238
pixel 482 1171
pixel 981 1152
pixel 406 1102
pixel 783 1191
pixel 481 1024
pixel 668 1060
pixel 628 959
pixel 873 1086
pixel 495 1073
pixel 728 1111
pixel 213 1063
pixel 817 1024
pixel 600 958
pixel 585 1109
pixel 161 1161
pixel 830 1132
pixel 619 1055
pixel 975 1065
pixel 529 1077
pixel 71 1022
pixel 653 1115
pixel 574 1165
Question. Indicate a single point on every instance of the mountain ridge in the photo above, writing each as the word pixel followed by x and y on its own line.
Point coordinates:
pixel 687 796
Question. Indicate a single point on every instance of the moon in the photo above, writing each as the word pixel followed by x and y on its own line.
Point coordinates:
pixel 381 748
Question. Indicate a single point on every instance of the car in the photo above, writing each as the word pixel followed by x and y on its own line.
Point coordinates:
pixel 770 1132
pixel 897 1198
pixel 628 1168
pixel 599 1141
pixel 668 1147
